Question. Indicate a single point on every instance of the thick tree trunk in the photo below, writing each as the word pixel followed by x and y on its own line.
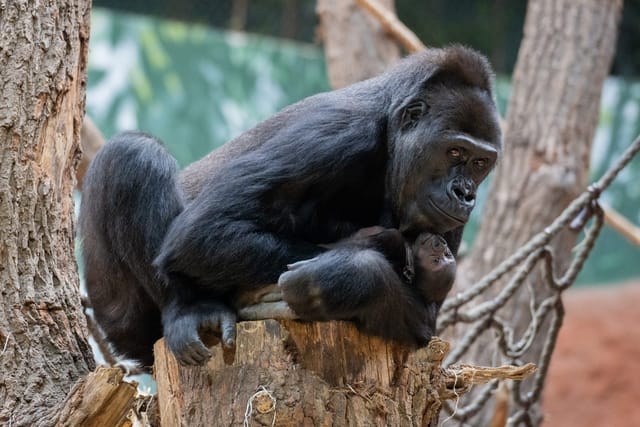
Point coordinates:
pixel 319 374
pixel 43 347
pixel 313 374
pixel 355 45
pixel 551 119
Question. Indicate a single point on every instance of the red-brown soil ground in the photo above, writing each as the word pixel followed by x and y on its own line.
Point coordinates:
pixel 594 377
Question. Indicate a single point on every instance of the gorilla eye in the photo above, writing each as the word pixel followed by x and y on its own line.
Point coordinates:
pixel 455 153
pixel 480 163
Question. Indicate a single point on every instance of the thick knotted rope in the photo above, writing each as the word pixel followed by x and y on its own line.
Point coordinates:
pixel 480 317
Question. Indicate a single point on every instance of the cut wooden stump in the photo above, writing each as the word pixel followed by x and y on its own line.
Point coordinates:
pixel 289 373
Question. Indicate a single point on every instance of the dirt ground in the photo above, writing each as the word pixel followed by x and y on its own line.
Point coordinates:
pixel 594 378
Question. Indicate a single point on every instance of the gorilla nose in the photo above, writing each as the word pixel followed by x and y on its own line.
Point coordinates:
pixel 463 191
pixel 438 244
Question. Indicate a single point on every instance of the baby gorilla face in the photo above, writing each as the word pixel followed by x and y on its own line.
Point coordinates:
pixel 432 252
pixel 435 266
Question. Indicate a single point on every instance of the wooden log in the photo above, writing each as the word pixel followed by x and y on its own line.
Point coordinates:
pixel 288 373
pixel 101 398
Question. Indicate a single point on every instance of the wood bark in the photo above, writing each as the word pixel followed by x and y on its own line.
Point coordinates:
pixel 319 374
pixel 355 45
pixel 551 119
pixel 91 140
pixel 100 399
pixel 43 346
pixel 313 374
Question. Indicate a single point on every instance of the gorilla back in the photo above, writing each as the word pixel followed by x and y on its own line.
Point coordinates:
pixel 404 150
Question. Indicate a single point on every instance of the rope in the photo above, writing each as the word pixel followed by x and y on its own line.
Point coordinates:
pixel 549 312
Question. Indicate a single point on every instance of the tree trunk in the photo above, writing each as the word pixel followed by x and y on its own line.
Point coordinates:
pixel 280 373
pixel 551 120
pixel 355 45
pixel 100 399
pixel 43 346
pixel 313 374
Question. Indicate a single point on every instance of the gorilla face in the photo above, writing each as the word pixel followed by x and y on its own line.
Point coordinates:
pixel 447 200
pixel 447 144
pixel 432 254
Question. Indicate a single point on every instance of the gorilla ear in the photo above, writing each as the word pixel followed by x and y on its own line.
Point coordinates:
pixel 412 113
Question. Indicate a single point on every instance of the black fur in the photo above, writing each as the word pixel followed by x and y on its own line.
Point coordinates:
pixel 404 150
pixel 364 274
pixel 130 198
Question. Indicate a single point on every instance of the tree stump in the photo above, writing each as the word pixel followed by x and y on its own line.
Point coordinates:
pixel 288 373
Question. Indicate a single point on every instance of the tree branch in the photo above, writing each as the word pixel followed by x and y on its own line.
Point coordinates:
pixel 622 225
pixel 393 25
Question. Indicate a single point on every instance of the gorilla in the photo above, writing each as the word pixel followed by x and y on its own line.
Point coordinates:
pixel 170 253
pixel 313 288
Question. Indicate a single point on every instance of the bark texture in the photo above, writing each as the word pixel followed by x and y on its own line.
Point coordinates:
pixel 97 400
pixel 91 140
pixel 314 374
pixel 43 347
pixel 551 119
pixel 355 45
pixel 304 374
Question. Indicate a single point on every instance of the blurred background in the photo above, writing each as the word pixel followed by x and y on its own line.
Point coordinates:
pixel 197 73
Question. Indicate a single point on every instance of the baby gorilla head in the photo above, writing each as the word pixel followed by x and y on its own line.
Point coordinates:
pixel 434 266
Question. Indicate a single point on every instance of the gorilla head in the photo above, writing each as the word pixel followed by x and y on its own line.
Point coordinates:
pixel 445 139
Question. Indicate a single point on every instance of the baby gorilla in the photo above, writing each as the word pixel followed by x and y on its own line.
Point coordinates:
pixel 371 263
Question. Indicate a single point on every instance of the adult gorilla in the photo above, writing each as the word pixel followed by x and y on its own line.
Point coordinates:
pixel 169 253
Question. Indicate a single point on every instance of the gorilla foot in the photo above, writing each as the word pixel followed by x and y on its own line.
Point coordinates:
pixel 184 327
pixel 301 290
